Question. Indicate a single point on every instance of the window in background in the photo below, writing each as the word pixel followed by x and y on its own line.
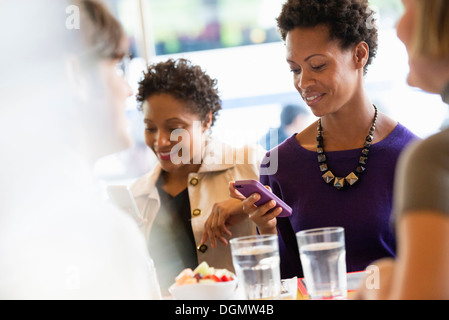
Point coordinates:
pixel 211 24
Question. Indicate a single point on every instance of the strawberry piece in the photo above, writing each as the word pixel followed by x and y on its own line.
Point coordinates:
pixel 225 278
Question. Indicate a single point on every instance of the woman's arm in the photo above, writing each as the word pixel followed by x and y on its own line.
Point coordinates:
pixel 421 270
pixel 234 210
pixel 224 214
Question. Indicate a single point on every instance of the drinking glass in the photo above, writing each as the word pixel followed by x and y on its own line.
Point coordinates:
pixel 323 258
pixel 256 262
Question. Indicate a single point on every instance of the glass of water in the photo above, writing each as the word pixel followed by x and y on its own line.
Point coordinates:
pixel 323 258
pixel 256 262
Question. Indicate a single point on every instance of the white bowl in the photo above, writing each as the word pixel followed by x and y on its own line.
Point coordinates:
pixel 204 291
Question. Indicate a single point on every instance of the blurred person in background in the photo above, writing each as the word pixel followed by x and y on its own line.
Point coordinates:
pixel 421 202
pixel 293 120
pixel 339 171
pixel 187 192
pixel 62 109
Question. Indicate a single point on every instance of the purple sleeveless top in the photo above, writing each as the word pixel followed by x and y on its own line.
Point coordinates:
pixel 363 209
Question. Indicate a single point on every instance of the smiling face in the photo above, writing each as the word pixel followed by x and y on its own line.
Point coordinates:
pixel 167 118
pixel 326 76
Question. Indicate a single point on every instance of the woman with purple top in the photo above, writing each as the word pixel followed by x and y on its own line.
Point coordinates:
pixel 339 171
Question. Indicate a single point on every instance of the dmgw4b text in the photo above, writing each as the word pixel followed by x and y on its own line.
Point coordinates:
pixel 246 309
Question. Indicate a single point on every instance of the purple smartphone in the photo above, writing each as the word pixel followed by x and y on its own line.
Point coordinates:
pixel 248 187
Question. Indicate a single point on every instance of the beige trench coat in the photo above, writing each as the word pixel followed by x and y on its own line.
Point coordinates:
pixel 206 187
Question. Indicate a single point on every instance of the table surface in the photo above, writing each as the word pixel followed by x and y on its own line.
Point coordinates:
pixel 300 296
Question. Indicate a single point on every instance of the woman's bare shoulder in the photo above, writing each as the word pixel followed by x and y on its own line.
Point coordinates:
pixel 384 126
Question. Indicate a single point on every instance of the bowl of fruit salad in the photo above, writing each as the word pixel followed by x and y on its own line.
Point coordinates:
pixel 204 283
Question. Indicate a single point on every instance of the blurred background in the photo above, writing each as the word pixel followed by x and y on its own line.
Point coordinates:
pixel 237 43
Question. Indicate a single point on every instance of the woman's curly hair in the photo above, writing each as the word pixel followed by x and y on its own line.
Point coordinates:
pixel 184 81
pixel 349 21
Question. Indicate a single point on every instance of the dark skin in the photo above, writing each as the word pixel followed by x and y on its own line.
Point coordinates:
pixel 163 113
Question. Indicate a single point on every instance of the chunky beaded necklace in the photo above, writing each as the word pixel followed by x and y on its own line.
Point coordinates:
pixel 353 177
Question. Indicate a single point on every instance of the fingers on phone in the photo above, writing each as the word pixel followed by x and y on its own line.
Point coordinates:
pixel 269 205
pixel 249 206
pixel 273 214
pixel 269 211
pixel 234 193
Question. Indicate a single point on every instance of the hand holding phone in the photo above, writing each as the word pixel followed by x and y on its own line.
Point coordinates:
pixel 248 187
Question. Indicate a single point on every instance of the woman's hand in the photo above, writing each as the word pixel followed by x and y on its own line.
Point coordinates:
pixel 262 216
pixel 377 283
pixel 224 214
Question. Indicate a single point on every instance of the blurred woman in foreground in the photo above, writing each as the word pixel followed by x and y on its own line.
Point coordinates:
pixel 422 189
pixel 63 108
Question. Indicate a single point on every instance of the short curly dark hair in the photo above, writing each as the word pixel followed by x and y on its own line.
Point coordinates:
pixel 349 21
pixel 184 81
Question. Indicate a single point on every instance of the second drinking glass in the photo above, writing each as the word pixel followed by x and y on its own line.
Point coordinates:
pixel 323 258
pixel 256 262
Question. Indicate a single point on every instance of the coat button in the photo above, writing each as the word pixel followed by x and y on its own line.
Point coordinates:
pixel 194 181
pixel 196 212
pixel 202 248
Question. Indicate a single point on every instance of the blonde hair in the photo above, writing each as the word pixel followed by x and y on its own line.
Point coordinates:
pixel 102 33
pixel 432 32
